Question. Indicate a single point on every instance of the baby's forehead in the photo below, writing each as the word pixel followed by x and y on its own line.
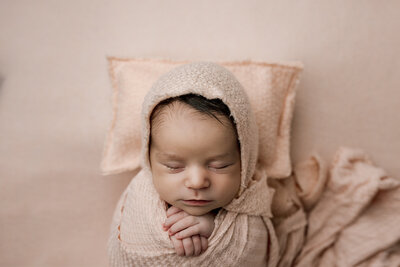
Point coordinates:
pixel 174 107
pixel 170 112
pixel 174 112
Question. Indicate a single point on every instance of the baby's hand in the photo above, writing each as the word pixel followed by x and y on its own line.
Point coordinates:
pixel 188 233
pixel 183 225
pixel 190 246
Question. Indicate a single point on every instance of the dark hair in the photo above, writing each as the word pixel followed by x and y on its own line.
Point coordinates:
pixel 210 107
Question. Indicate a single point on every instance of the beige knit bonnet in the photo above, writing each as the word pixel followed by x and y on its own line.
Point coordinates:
pixel 210 80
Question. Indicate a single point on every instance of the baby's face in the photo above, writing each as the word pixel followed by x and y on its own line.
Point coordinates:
pixel 195 160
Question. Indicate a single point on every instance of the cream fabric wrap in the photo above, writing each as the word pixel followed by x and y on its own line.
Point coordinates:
pixel 243 233
pixel 353 210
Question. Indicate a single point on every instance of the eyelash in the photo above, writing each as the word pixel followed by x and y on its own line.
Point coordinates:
pixel 222 167
pixel 219 168
pixel 172 168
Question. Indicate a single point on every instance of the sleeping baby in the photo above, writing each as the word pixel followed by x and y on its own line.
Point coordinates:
pixel 200 199
pixel 195 178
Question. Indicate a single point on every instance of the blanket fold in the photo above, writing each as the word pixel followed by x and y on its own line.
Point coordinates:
pixel 356 221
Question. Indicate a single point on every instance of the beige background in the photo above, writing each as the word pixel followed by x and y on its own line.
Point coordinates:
pixel 55 98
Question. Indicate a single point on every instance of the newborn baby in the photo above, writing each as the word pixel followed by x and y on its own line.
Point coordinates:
pixel 195 165
pixel 199 193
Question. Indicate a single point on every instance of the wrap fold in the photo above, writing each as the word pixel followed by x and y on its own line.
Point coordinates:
pixel 356 221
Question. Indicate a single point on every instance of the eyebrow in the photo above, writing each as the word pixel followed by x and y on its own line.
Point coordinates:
pixel 176 157
pixel 221 156
pixel 168 155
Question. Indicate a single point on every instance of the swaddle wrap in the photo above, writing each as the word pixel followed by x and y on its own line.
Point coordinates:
pixel 243 233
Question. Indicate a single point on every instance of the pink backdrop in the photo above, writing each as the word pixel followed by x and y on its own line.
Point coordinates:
pixel 55 98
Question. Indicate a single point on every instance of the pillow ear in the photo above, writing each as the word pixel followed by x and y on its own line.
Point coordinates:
pixel 271 88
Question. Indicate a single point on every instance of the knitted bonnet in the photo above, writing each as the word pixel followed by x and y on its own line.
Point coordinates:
pixel 209 80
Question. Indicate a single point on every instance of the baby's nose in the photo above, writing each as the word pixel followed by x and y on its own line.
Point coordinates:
pixel 197 178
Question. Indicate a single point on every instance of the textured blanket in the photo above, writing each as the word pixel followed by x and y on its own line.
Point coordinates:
pixel 353 213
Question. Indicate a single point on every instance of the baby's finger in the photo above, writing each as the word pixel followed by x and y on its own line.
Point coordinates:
pixel 190 231
pixel 188 246
pixel 172 210
pixel 178 245
pixel 197 245
pixel 188 222
pixel 204 243
pixel 174 218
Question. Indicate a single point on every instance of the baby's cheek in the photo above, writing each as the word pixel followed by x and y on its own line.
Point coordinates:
pixel 229 188
pixel 166 188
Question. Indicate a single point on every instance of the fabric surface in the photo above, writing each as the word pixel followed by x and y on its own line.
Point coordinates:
pixel 136 235
pixel 271 88
pixel 353 213
pixel 356 219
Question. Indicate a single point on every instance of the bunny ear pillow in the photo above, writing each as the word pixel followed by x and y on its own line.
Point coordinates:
pixel 260 98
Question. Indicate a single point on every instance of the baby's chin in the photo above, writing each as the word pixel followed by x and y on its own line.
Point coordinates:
pixel 196 211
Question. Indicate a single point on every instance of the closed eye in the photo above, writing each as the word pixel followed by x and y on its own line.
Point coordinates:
pixel 220 167
pixel 173 167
